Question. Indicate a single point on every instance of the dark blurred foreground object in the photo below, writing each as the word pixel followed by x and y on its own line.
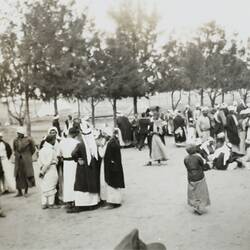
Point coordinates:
pixel 133 242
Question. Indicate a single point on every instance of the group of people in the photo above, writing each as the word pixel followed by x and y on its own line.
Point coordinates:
pixel 81 170
pixel 81 167
pixel 74 167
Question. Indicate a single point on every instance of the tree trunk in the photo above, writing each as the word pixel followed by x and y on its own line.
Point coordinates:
pixel 175 105
pixel 202 97
pixel 212 98
pixel 135 105
pixel 27 112
pixel 93 111
pixel 172 100
pixel 222 96
pixel 78 108
pixel 55 105
pixel 189 97
pixel 114 112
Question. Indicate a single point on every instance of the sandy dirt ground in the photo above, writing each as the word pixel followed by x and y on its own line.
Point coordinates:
pixel 154 202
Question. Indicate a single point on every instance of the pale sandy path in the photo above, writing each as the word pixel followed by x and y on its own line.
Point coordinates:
pixel 155 202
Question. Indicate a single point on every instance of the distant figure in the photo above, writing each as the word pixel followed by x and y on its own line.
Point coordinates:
pixel 24 148
pixel 203 125
pixel 188 114
pixel 241 106
pixel 157 148
pixel 135 130
pixel 144 123
pixel 7 168
pixel 126 129
pixel 198 196
pixel 48 172
pixel 56 124
pixel 68 125
pixel 113 172
pixel 232 129
pixel 220 119
pixel 179 129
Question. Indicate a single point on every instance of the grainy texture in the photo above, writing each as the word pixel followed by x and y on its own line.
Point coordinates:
pixel 155 203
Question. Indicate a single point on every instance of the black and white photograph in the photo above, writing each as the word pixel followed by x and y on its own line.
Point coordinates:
pixel 124 125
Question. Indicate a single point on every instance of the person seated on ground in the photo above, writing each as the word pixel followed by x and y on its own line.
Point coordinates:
pixel 48 172
pixel 198 196
pixel 133 242
pixel 222 155
pixel 205 149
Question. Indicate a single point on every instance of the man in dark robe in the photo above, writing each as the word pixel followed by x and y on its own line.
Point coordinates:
pixel 113 172
pixel 144 123
pixel 24 148
pixel 87 182
pixel 179 129
pixel 232 128
pixel 126 129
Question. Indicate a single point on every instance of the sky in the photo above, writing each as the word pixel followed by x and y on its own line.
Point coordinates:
pixel 182 17
pixel 185 16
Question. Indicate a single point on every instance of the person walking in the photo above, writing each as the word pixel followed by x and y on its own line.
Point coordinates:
pixel 198 196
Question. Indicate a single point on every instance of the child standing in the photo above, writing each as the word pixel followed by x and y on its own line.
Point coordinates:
pixel 198 196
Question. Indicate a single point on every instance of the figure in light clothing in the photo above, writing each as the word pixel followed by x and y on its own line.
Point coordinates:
pixel 48 172
pixel 7 167
pixel 66 146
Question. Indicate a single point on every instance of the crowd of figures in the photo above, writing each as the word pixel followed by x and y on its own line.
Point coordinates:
pixel 81 167
pixel 81 170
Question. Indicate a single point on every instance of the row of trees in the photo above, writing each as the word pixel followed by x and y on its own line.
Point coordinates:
pixel 57 53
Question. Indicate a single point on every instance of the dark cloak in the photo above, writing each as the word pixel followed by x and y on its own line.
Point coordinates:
pixel 232 131
pixel 87 176
pixel 113 170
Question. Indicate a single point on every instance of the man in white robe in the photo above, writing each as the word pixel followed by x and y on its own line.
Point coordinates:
pixel 66 147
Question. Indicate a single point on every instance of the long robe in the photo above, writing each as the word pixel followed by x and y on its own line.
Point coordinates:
pixel 113 169
pixel 87 181
pixel 47 161
pixel 179 129
pixel 66 147
pixel 126 129
pixel 232 130
pixel 24 148
pixel 7 167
